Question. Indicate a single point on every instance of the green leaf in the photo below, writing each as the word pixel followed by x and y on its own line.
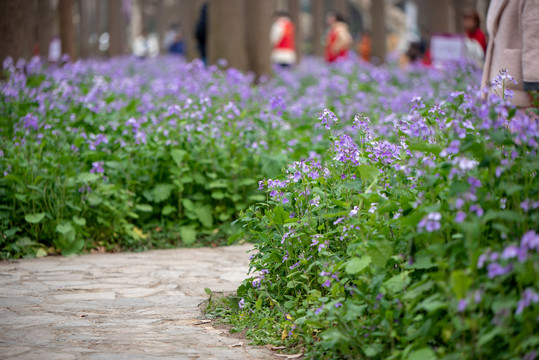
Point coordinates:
pixel 280 216
pixel 41 253
pixel 64 227
pixel 426 148
pixel 397 283
pixel 94 199
pixel 218 195
pixel 79 220
pixel 368 172
pixel 177 155
pixel 380 252
pixel 502 214
pixel 144 207
pixel 234 238
pixel 204 215
pixel 421 262
pixel 87 177
pixel 247 182
pixel 34 218
pixel 487 337
pixel 208 291
pixel 161 192
pixel 188 235
pixel 221 183
pixel 460 283
pixel 422 354
pixel 188 204
pixel 373 349
pixel 167 210
pixel 355 265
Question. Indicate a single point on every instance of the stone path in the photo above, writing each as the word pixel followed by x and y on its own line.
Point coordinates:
pixel 119 306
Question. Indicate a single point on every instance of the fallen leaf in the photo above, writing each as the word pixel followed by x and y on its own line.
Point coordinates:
pixel 293 356
pixel 276 347
pixel 235 345
pixel 200 322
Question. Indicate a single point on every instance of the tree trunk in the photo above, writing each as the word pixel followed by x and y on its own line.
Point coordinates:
pixel 189 19
pixel 13 14
pixel 259 17
pixel 341 7
pixel 227 33
pixel 439 15
pixel 161 24
pixel 45 20
pixel 317 10
pixel 116 25
pixel 85 25
pixel 294 8
pixel 378 30
pixel 67 29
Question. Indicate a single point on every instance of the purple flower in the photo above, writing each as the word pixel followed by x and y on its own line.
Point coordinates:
pixel 327 283
pixel 241 303
pixel 319 310
pixel 328 118
pixel 530 241
pixel 461 215
pixel 528 298
pixel 294 266
pixel 338 305
pixel 430 223
pixel 462 305
pixel 97 167
pixel 494 270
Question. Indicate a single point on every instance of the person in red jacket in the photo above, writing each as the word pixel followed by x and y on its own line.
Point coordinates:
pixel 471 24
pixel 282 37
pixel 338 39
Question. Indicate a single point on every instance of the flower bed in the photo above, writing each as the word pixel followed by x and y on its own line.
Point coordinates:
pixel 135 154
pixel 416 238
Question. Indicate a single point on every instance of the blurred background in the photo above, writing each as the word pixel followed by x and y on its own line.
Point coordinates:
pixel 235 30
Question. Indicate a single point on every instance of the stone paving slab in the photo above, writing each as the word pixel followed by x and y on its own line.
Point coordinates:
pixel 119 306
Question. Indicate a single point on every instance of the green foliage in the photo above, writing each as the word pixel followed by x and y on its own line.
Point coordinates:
pixel 407 246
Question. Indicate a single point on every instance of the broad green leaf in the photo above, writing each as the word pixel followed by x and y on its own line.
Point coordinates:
pixel 34 218
pixel 87 177
pixel 460 283
pixel 247 182
pixel 280 216
pixel 234 238
pixel 64 227
pixel 368 172
pixel 94 199
pixel 218 195
pixel 188 235
pixel 355 265
pixel 79 220
pixel 177 155
pixel 41 253
pixel 188 204
pixel 397 283
pixel 488 336
pixel 422 354
pixel 161 192
pixel 204 215
pixel 373 349
pixel 167 210
pixel 144 207
pixel 380 252
pixel 218 184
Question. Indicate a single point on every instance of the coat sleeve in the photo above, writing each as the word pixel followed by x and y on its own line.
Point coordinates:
pixel 530 44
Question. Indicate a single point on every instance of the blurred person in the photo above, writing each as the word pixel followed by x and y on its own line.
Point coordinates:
pixel 201 32
pixel 170 36
pixel 471 24
pixel 177 47
pixel 338 39
pixel 364 47
pixel 141 45
pixel 513 27
pixel 282 37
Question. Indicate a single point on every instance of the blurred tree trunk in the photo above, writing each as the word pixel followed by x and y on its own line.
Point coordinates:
pixel 259 18
pixel 45 20
pixel 439 15
pixel 161 24
pixel 294 8
pixel 13 14
pixel 227 33
pixel 85 25
pixel 116 25
pixel 67 29
pixel 190 15
pixel 378 12
pixel 341 7
pixel 317 7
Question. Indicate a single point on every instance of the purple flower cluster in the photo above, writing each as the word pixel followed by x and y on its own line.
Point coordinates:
pixel 430 222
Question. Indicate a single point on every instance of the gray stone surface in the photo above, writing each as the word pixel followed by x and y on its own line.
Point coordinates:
pixel 119 306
